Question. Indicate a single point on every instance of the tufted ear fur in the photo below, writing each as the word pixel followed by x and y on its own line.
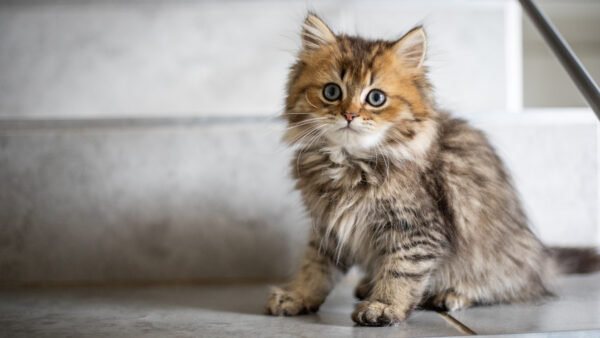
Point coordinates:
pixel 315 33
pixel 411 48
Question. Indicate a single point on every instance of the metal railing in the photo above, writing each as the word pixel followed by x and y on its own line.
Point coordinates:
pixel 582 79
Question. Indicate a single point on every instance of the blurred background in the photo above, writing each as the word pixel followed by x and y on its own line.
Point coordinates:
pixel 139 140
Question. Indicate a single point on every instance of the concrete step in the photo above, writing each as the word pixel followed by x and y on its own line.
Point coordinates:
pixel 95 200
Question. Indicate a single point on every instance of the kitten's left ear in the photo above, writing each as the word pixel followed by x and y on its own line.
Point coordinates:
pixel 412 47
pixel 315 33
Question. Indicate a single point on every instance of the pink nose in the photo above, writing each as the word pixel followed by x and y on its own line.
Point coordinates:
pixel 349 116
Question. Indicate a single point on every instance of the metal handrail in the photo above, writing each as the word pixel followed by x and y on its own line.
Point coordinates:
pixel 582 79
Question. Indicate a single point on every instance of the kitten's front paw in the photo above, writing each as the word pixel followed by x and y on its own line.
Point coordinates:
pixel 374 313
pixel 288 303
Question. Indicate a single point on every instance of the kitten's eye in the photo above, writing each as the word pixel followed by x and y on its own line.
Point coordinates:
pixel 376 98
pixel 332 92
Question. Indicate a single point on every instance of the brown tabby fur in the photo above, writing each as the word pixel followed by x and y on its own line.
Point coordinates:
pixel 418 199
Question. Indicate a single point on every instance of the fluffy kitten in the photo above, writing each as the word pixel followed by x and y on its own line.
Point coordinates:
pixel 418 199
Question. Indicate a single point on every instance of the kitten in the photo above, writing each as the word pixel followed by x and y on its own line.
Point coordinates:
pixel 418 199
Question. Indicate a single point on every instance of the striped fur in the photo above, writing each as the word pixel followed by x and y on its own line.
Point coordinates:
pixel 418 199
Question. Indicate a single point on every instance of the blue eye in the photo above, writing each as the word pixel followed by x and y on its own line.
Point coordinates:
pixel 332 92
pixel 376 98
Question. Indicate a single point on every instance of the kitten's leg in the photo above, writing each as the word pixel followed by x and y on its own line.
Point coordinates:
pixel 401 275
pixel 313 282
pixel 394 296
pixel 364 287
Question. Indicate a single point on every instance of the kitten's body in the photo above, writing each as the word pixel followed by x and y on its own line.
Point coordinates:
pixel 467 216
pixel 416 198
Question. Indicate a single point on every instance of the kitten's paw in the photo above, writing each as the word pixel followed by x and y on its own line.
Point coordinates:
pixel 288 303
pixel 451 301
pixel 374 313
pixel 363 289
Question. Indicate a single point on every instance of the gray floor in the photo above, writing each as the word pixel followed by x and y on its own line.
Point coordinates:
pixel 237 310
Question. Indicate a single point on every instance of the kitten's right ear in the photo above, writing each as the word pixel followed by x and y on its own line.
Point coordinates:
pixel 315 33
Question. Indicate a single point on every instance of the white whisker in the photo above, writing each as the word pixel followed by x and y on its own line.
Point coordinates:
pixel 306 122
pixel 304 134
pixel 317 135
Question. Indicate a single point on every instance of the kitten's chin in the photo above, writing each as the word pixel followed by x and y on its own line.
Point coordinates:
pixel 355 142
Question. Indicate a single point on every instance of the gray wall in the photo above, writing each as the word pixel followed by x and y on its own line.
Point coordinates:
pixel 138 139
pixel 545 82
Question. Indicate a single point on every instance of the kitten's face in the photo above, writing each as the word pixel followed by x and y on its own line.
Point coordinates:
pixel 354 93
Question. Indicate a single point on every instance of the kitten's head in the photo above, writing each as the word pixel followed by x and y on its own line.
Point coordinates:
pixel 356 94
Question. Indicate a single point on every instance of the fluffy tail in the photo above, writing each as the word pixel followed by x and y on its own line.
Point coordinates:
pixel 575 260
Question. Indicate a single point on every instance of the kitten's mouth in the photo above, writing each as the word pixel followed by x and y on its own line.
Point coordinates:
pixel 348 129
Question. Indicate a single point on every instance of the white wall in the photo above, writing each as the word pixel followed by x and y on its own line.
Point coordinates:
pixel 151 58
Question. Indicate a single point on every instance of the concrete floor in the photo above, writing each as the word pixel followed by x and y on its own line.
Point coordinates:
pixel 237 310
